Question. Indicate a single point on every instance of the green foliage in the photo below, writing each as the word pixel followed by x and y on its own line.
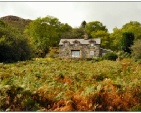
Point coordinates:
pixel 127 41
pixel 136 49
pixel 110 56
pixel 104 36
pixel 2 24
pixel 74 33
pixel 136 109
pixel 55 85
pixel 13 45
pixel 95 26
pixel 131 27
pixel 45 33
pixel 115 39
pixel 96 29
pixel 83 24
pixel 53 52
pixel 123 55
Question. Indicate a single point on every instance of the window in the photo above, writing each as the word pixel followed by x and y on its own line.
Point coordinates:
pixel 92 53
pixel 75 53
pixel 92 44
pixel 76 44
pixel 65 44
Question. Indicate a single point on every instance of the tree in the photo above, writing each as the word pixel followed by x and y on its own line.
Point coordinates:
pixel 95 26
pixel 13 46
pixel 74 33
pixel 78 33
pixel 116 36
pixel 66 31
pixel 106 41
pixel 96 29
pixel 127 41
pixel 115 39
pixel 83 24
pixel 136 49
pixel 44 33
pixel 134 27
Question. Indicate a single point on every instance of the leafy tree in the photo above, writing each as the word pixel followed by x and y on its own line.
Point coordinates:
pixel 106 41
pixel 136 49
pixel 2 24
pixel 74 33
pixel 83 24
pixel 134 27
pixel 127 41
pixel 95 26
pixel 66 31
pixel 44 33
pixel 78 33
pixel 13 45
pixel 116 36
pixel 115 39
pixel 96 29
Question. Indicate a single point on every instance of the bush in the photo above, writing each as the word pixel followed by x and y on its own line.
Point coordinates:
pixel 123 54
pixel 110 56
pixel 13 45
pixel 136 49
pixel 53 52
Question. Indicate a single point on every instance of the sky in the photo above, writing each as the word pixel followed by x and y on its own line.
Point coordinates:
pixel 110 14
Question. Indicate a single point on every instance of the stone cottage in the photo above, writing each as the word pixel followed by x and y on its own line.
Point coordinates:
pixel 80 48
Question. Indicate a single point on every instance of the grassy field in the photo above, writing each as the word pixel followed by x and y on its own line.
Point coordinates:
pixel 57 85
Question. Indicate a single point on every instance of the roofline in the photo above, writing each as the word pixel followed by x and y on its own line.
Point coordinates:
pixel 98 40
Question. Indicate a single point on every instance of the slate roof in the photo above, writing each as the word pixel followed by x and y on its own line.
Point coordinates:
pixel 82 41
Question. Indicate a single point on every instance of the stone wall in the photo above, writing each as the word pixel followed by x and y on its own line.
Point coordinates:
pixel 65 51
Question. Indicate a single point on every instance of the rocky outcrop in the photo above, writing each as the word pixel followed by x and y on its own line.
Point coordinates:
pixel 16 21
pixel 14 18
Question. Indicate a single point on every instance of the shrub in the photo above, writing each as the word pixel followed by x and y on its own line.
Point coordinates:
pixel 13 45
pixel 110 56
pixel 127 41
pixel 136 49
pixel 123 54
pixel 53 52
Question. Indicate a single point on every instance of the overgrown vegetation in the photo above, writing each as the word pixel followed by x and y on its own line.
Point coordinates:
pixel 127 41
pixel 136 53
pixel 51 84
pixel 56 85
pixel 14 46
pixel 36 37
pixel 110 56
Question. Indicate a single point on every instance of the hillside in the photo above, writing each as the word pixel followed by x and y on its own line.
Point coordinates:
pixel 16 22
pixel 56 85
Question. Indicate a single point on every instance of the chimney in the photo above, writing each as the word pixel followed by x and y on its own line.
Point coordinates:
pixel 86 36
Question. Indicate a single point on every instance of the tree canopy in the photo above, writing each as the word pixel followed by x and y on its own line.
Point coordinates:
pixel 44 32
pixel 132 26
pixel 96 29
pixel 136 49
pixel 127 41
pixel 13 45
